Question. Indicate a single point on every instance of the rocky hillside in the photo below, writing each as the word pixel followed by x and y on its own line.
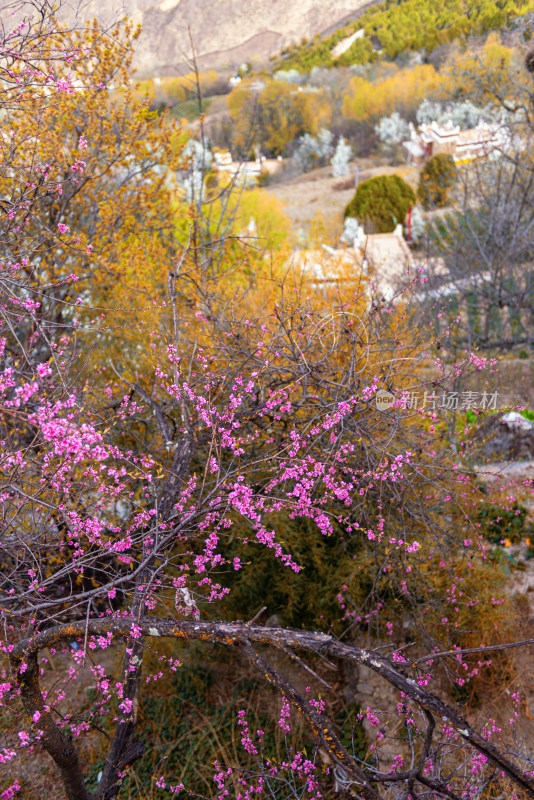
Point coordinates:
pixel 225 33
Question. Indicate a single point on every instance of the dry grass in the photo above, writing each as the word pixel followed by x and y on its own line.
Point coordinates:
pixel 314 193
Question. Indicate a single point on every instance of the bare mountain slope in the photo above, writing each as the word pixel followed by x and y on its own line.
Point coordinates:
pixel 225 32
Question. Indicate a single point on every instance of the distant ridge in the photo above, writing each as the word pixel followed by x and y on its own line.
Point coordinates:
pixel 225 33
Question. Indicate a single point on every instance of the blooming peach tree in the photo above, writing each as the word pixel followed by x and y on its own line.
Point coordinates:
pixel 119 495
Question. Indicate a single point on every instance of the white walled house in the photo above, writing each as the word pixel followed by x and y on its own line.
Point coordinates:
pixel 247 172
pixel 384 259
pixel 431 138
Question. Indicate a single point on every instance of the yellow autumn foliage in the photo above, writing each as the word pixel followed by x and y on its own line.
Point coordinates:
pixel 274 115
pixel 182 87
pixel 401 91
pixel 101 246
pixel 483 74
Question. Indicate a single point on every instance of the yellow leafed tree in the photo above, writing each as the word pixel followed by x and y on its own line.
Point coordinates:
pixel 274 116
pixel 104 239
pixel 368 100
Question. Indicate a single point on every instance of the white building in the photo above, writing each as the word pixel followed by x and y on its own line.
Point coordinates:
pixel 247 172
pixel 463 145
pixel 383 259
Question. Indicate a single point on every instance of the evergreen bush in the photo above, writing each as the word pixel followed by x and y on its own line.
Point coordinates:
pixel 500 524
pixel 381 203
pixel 437 177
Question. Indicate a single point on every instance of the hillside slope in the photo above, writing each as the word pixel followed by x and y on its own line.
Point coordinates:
pixel 225 32
pixel 407 25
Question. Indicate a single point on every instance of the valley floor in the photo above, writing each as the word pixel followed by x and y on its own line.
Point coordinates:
pixel 318 194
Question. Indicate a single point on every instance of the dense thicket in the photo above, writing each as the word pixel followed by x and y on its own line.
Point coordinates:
pixel 407 25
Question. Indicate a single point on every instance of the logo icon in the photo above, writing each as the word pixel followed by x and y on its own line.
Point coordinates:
pixel 384 400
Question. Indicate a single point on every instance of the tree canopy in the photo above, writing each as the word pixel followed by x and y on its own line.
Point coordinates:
pixel 187 424
pixel 406 25
pixel 381 203
pixel 437 177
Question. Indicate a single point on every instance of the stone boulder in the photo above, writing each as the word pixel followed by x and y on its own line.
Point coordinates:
pixel 504 437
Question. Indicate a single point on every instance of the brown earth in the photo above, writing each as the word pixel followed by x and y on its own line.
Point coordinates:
pixel 225 33
pixel 319 193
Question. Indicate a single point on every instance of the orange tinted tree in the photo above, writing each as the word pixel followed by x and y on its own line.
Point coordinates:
pixel 273 116
pixel 109 221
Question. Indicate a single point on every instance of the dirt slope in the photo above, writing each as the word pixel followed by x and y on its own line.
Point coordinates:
pixel 225 32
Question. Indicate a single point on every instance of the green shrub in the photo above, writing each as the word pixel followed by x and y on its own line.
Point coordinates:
pixel 498 523
pixel 435 181
pixel 381 203
pixel 307 599
pixel 360 52
pixel 189 720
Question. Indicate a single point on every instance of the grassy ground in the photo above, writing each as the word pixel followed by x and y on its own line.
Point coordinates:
pixel 187 720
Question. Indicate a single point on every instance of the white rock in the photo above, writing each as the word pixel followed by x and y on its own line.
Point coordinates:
pixel 514 420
